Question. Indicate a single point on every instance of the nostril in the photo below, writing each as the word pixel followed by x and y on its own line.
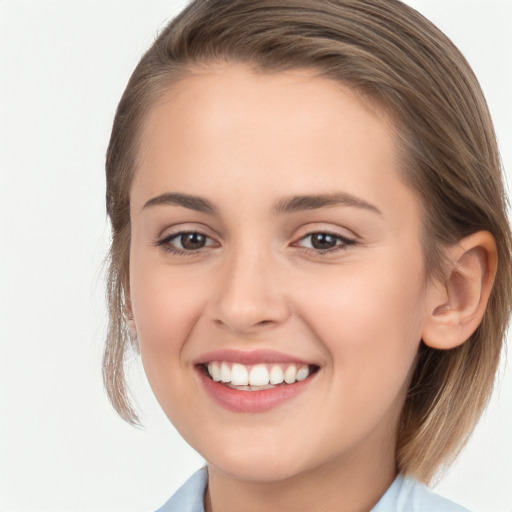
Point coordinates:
pixel 238 325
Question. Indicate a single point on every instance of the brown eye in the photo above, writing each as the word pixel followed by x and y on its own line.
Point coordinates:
pixel 323 241
pixel 186 242
pixel 192 241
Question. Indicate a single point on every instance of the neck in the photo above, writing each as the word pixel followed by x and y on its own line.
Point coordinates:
pixel 354 484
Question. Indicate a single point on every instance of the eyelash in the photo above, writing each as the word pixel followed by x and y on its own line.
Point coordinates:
pixel 166 243
pixel 342 243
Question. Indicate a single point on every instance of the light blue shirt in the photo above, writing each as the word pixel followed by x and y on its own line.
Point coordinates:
pixel 404 495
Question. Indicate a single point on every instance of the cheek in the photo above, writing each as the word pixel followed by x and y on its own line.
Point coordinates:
pixel 370 321
pixel 166 309
pixel 166 306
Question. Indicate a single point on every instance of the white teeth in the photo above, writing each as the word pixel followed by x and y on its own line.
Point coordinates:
pixel 214 371
pixel 290 374
pixel 259 375
pixel 225 373
pixel 239 375
pixel 302 373
pixel 276 375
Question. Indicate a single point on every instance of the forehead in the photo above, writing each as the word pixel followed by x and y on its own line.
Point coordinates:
pixel 227 125
pixel 214 95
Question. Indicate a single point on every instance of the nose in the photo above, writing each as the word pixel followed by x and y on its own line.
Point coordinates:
pixel 251 293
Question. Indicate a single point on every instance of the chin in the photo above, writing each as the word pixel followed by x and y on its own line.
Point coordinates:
pixel 256 471
pixel 256 464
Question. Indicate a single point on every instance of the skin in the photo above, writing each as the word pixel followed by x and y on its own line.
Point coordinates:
pixel 245 141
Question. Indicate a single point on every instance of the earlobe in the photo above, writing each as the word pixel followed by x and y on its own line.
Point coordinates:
pixel 129 318
pixel 458 304
pixel 130 322
pixel 128 313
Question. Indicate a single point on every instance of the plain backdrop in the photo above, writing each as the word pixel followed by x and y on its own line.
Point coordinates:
pixel 63 67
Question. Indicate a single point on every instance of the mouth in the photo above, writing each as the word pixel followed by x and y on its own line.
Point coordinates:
pixel 257 377
pixel 254 381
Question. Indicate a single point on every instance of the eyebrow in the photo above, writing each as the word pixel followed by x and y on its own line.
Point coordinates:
pixel 313 202
pixel 287 205
pixel 196 203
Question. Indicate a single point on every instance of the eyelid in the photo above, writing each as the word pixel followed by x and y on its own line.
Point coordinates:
pixel 184 227
pixel 173 236
pixel 345 241
pixel 346 238
pixel 165 241
pixel 327 228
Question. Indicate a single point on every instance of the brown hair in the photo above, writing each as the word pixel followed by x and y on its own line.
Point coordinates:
pixel 393 55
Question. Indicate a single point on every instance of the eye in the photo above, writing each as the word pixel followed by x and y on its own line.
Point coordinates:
pixel 185 242
pixel 325 242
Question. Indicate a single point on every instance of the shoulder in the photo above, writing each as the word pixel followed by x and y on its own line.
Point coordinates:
pixel 408 495
pixel 189 497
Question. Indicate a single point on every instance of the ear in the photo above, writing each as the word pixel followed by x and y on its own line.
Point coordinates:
pixel 130 322
pixel 457 305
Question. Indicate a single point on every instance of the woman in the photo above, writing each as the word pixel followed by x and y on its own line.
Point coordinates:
pixel 310 249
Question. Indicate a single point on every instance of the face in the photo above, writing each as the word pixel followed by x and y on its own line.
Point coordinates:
pixel 276 273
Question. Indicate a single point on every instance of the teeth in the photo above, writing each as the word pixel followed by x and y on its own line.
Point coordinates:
pixel 276 375
pixel 214 371
pixel 239 375
pixel 225 373
pixel 290 374
pixel 302 373
pixel 260 376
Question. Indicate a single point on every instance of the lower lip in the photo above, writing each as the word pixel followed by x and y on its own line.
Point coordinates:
pixel 252 401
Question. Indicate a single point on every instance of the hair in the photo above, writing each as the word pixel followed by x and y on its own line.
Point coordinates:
pixel 393 55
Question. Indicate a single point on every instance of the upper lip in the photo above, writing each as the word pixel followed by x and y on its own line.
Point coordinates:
pixel 251 357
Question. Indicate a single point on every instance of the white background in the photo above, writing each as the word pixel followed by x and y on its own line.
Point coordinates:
pixel 63 67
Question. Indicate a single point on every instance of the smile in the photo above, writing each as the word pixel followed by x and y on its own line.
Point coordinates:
pixel 253 382
pixel 257 377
